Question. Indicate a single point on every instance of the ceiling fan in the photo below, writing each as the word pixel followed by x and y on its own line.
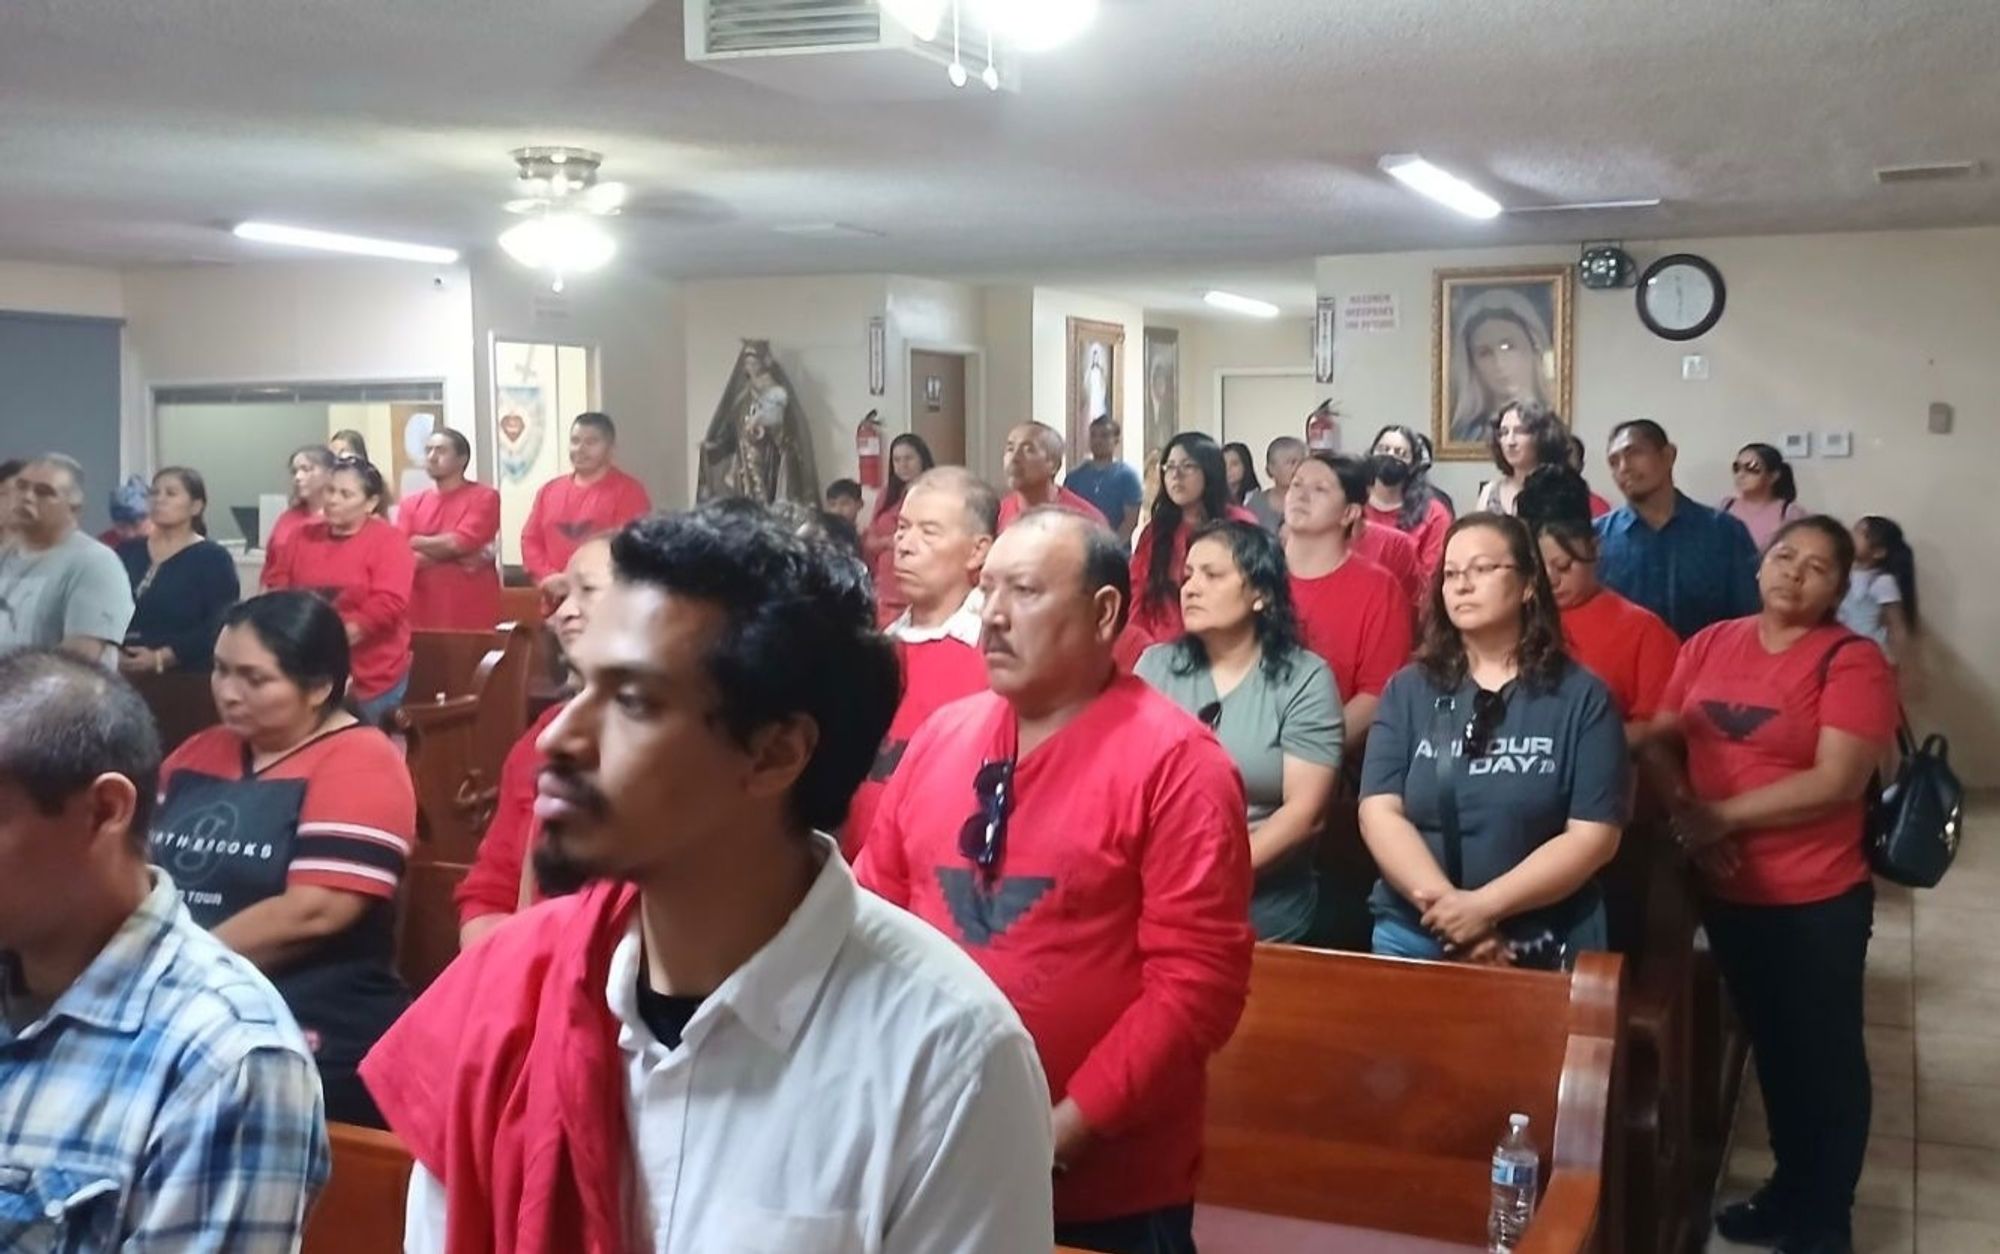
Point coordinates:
pixel 563 202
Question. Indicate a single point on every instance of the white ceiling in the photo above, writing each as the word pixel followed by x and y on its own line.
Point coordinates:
pixel 1211 143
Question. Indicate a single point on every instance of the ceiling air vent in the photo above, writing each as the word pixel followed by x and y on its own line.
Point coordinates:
pixel 1926 172
pixel 742 26
pixel 832 50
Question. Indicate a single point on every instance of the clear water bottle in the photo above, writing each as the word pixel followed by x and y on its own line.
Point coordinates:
pixel 1517 1172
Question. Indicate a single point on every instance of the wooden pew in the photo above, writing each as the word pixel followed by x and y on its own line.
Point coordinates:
pixel 443 663
pixel 455 750
pixel 361 1209
pixel 181 701
pixel 1369 1092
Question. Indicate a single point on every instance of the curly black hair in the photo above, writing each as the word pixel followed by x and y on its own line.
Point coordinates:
pixel 1541 656
pixel 1261 560
pixel 800 638
pixel 1555 502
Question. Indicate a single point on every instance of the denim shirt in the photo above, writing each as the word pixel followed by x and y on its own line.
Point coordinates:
pixel 1697 570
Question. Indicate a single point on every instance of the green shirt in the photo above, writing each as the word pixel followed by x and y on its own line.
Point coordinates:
pixel 1260 723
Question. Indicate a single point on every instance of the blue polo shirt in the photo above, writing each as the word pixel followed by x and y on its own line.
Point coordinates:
pixel 1697 570
pixel 1113 488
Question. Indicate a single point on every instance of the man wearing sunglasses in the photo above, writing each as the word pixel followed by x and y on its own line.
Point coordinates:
pixel 1084 839
pixel 722 1043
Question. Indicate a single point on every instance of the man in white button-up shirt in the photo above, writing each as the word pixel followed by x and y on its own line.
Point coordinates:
pixel 723 1045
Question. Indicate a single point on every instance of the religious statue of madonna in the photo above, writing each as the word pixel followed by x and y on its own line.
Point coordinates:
pixel 758 444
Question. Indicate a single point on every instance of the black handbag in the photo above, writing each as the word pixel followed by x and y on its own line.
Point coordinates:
pixel 1914 823
pixel 1912 827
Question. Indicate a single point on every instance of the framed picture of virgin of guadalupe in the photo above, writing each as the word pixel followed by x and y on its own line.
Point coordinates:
pixel 1498 335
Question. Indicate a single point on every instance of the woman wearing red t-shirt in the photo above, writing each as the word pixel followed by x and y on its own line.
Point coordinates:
pixel 1194 490
pixel 1784 716
pixel 1625 645
pixel 364 568
pixel 909 457
pixel 312 473
pixel 286 830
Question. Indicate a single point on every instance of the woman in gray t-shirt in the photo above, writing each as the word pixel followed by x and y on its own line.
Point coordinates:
pixel 1497 781
pixel 1243 669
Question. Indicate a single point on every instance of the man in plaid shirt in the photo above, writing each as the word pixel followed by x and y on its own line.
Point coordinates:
pixel 155 1094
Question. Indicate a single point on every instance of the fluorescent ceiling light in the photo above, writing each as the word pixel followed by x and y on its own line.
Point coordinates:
pixel 1241 304
pixel 1034 25
pixel 334 242
pixel 1449 190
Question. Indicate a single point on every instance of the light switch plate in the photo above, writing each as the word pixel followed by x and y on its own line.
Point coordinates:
pixel 1694 367
pixel 1798 444
pixel 1940 418
pixel 1834 444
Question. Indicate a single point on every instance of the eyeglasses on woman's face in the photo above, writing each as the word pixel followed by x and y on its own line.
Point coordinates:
pixel 1478 570
pixel 1175 468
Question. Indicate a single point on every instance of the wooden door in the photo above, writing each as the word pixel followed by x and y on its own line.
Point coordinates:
pixel 937 404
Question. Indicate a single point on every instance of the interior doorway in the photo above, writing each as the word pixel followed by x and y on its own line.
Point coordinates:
pixel 938 403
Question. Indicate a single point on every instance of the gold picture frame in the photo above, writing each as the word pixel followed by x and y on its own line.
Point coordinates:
pixel 1096 375
pixel 1498 333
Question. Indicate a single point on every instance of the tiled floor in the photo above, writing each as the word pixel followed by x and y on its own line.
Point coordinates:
pixel 1932 1182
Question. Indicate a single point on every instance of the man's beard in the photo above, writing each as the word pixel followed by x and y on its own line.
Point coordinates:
pixel 556 873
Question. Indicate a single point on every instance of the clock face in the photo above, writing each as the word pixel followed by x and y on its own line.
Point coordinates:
pixel 1680 297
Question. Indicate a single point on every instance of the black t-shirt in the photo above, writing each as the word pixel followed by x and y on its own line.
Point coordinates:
pixel 1555 756
pixel 666 1015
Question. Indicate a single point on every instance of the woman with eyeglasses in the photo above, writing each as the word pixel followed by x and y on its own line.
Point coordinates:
pixel 1243 669
pixel 1784 716
pixel 1194 491
pixel 1625 645
pixel 1767 496
pixel 1495 784
pixel 1401 496
pixel 363 566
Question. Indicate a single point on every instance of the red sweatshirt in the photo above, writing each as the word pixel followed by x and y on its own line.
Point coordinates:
pixel 935 674
pixel 1427 535
pixel 566 513
pixel 493 885
pixel 1397 553
pixel 506 1083
pixel 1119 925
pixel 366 577
pixel 282 531
pixel 1013 505
pixel 463 594
pixel 1164 622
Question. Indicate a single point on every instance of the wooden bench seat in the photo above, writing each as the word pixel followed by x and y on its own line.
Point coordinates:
pixel 1369 1092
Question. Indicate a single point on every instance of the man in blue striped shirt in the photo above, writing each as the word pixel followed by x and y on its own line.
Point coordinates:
pixel 155 1094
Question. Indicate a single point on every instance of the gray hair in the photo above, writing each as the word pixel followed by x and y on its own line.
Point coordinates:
pixel 69 466
pixel 981 502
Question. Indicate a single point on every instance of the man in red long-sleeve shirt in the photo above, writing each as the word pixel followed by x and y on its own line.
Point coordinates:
pixel 1084 841
pixel 1033 456
pixel 452 529
pixel 497 885
pixel 596 497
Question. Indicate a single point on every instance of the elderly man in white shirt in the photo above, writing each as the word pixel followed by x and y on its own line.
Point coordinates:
pixel 723 1044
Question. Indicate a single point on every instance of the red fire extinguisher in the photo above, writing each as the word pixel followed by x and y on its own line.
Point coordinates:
pixel 1322 435
pixel 868 450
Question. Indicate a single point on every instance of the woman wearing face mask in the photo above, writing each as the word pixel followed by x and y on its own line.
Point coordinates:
pixel 1401 495
pixel 1766 496
pixel 1784 716
pixel 1525 438
pixel 1194 491
pixel 1495 784
pixel 364 567
pixel 1625 645
pixel 1243 669
pixel 311 469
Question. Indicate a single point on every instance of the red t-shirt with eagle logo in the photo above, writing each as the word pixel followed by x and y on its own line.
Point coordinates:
pixel 1752 717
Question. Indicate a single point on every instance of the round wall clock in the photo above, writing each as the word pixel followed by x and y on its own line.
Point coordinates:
pixel 1681 296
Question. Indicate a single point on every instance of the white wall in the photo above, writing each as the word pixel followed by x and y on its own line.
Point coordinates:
pixel 633 321
pixel 346 320
pixel 83 291
pixel 1050 384
pixel 1829 332
pixel 1211 345
pixel 1010 371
